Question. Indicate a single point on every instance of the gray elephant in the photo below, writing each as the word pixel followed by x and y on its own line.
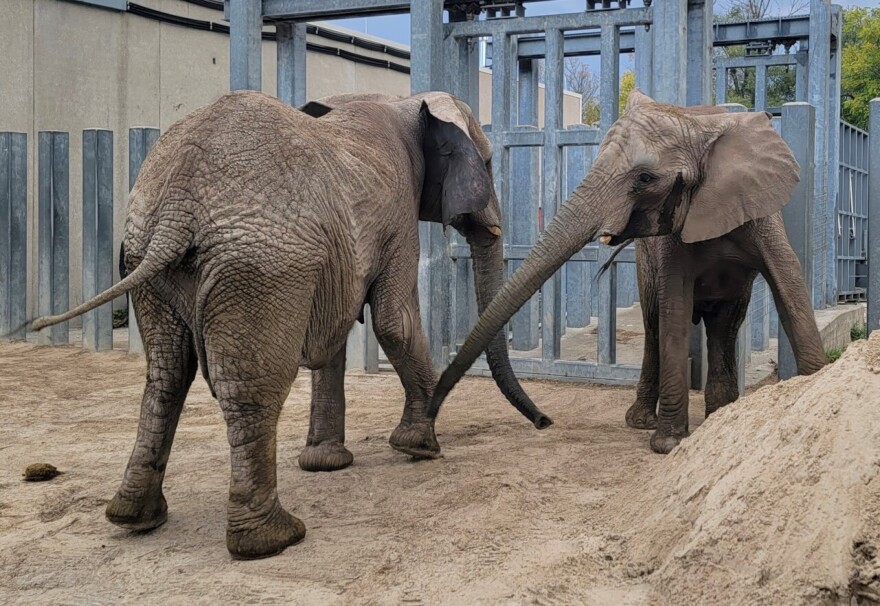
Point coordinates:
pixel 709 185
pixel 255 235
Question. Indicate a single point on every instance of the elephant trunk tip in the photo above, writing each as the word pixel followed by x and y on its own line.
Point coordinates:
pixel 542 421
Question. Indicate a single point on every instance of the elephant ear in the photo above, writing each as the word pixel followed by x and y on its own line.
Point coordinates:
pixel 749 173
pixel 457 180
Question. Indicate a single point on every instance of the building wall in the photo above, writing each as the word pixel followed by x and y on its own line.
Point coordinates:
pixel 67 66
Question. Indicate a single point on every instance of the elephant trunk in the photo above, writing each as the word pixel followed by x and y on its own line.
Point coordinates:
pixel 488 276
pixel 571 229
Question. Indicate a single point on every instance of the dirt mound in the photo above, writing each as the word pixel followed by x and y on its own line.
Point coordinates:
pixel 775 500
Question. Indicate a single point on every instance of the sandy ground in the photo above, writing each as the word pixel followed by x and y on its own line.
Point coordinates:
pixel 773 501
pixel 509 515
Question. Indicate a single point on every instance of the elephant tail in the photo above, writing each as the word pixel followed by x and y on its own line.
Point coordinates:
pixel 167 246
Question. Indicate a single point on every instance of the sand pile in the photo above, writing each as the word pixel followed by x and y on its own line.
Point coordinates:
pixel 775 500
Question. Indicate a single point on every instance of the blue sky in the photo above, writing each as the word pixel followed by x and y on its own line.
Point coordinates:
pixel 396 27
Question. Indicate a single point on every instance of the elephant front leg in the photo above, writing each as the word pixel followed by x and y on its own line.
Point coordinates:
pixel 643 413
pixel 676 302
pixel 171 366
pixel 399 331
pixel 325 447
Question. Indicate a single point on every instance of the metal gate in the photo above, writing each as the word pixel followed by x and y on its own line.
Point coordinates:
pixel 852 214
pixel 514 130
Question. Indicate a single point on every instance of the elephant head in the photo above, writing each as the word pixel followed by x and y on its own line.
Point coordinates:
pixel 695 172
pixel 454 170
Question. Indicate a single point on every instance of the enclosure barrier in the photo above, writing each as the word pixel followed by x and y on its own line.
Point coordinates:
pixel 53 228
pixel 13 235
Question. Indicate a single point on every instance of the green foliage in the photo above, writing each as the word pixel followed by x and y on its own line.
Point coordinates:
pixel 858 331
pixel 860 78
pixel 627 83
pixel 834 354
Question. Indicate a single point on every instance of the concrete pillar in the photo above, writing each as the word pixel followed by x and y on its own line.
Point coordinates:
pixel 291 65
pixel 245 44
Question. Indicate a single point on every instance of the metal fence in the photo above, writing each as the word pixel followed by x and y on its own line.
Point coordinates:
pixel 53 225
pixel 852 214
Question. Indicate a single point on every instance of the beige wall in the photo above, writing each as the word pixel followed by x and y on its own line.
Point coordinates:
pixel 69 67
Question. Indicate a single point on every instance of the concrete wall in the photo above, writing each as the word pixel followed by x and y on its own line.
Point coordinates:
pixel 69 67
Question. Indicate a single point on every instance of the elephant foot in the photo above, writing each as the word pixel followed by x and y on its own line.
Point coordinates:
pixel 326 456
pixel 663 443
pixel 144 514
pixel 416 439
pixel 640 416
pixel 263 539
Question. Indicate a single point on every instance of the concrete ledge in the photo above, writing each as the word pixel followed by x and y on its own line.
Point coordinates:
pixel 835 323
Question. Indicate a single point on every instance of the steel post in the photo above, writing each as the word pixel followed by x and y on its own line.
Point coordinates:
pixel 97 235
pixel 54 232
pixel 245 44
pixel 291 64
pixel 873 218
pixel 798 130
pixel 13 236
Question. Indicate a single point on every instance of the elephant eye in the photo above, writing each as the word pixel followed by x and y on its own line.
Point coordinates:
pixel 645 178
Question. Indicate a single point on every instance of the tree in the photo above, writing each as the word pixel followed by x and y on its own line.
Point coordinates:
pixel 627 83
pixel 580 79
pixel 860 77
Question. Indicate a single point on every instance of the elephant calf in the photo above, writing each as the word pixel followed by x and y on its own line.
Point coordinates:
pixel 255 234
pixel 708 186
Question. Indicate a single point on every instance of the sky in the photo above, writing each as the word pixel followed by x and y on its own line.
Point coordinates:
pixel 396 27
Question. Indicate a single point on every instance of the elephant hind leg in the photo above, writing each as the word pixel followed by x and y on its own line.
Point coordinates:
pixel 253 352
pixel 171 366
pixel 722 326
pixel 325 447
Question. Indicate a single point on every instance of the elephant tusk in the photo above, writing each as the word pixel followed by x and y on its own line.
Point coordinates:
pixel 606 240
pixel 495 230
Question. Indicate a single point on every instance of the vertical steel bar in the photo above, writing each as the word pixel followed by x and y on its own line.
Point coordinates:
pixel 522 205
pixel 53 227
pixel 699 52
pixel 44 238
pixel 291 64
pixel 426 63
pixel 873 217
pixel 670 51
pixel 818 96
pixel 609 95
pixel 60 232
pixel 760 86
pixel 13 231
pixel 105 235
pixel 140 140
pixel 577 276
pixel 831 177
pixel 720 84
pixel 245 44
pixel 798 124
pixel 800 76
pixel 644 58
pixel 551 292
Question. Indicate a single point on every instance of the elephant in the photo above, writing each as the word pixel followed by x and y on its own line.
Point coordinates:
pixel 256 232
pixel 701 190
